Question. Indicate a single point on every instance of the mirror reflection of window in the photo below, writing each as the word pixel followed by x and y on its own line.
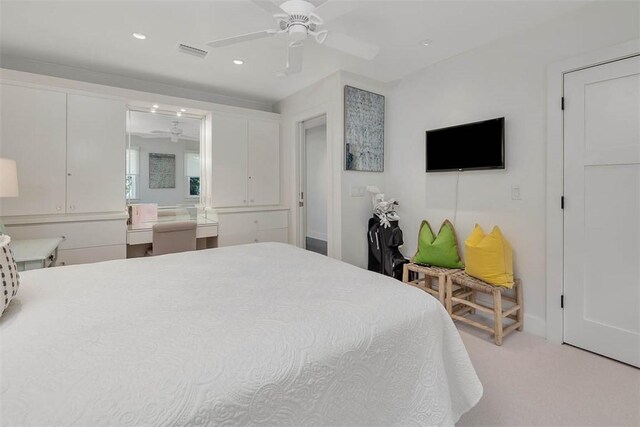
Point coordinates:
pixel 163 159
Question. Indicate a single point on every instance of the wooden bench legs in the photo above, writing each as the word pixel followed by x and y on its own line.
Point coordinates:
pixel 461 301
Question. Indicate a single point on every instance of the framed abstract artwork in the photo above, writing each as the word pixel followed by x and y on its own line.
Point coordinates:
pixel 363 130
pixel 162 170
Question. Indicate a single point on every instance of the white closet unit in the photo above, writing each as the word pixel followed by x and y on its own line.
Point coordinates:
pixel 33 133
pixel 237 228
pixel 263 162
pixel 69 150
pixel 245 161
pixel 96 135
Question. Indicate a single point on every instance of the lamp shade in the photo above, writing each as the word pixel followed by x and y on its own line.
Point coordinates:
pixel 8 178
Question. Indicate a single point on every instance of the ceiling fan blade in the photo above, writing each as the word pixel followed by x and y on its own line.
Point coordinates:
pixel 330 10
pixel 294 58
pixel 243 38
pixel 268 6
pixel 351 46
pixel 317 3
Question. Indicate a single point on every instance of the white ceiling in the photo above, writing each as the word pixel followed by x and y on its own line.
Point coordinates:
pixel 96 35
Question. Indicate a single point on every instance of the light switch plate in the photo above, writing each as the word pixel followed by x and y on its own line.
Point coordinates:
pixel 515 192
pixel 357 191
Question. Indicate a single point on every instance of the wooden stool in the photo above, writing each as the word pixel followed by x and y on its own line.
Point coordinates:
pixel 462 301
pixel 426 283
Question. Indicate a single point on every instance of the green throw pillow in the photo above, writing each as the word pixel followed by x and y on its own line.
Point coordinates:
pixel 440 250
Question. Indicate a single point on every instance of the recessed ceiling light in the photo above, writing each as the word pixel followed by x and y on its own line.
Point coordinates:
pixel 155 106
pixel 153 111
pixel 426 42
pixel 178 114
pixel 139 36
pixel 238 61
pixel 184 110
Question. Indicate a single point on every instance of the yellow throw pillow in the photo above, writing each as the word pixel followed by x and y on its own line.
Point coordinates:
pixel 488 257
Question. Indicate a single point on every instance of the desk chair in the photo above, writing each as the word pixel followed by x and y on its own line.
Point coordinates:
pixel 171 237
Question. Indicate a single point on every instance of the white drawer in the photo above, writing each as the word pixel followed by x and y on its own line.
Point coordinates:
pixel 271 220
pixel 89 255
pixel 243 222
pixel 232 239
pixel 206 231
pixel 274 235
pixel 271 235
pixel 77 234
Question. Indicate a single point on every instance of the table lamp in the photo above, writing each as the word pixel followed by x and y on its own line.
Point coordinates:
pixel 8 181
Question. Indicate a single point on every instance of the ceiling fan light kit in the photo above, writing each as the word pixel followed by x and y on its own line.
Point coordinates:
pixel 299 20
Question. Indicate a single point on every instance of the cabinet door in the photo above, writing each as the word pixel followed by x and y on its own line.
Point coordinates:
pixel 263 163
pixel 95 154
pixel 33 133
pixel 229 162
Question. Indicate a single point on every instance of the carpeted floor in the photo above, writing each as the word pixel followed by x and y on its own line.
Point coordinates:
pixel 529 382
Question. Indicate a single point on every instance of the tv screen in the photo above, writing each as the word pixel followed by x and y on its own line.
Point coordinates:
pixel 471 146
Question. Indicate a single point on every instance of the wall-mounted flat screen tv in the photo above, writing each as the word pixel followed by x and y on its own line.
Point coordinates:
pixel 472 146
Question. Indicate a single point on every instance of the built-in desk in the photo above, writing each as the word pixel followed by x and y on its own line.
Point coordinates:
pixel 140 236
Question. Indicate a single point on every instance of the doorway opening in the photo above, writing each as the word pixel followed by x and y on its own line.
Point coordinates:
pixel 314 185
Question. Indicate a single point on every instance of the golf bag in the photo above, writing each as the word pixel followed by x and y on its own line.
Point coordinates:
pixel 384 255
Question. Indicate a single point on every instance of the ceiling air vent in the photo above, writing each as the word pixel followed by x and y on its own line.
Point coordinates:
pixel 190 50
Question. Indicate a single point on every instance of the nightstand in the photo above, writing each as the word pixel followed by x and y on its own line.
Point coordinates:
pixel 31 254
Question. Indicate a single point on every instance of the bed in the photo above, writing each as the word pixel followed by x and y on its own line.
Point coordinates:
pixel 246 335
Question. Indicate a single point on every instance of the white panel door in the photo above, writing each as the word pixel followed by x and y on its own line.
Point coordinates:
pixel 229 162
pixel 95 154
pixel 33 133
pixel 602 210
pixel 263 163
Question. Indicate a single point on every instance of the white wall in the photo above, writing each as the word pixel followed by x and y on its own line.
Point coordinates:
pixel 347 216
pixel 163 196
pixel 316 188
pixel 506 78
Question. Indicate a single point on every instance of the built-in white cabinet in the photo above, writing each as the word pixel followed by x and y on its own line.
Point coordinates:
pixel 69 151
pixel 263 163
pixel 237 228
pixel 229 162
pixel 34 134
pixel 96 135
pixel 245 161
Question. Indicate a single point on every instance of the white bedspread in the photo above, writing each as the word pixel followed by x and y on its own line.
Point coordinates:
pixel 255 334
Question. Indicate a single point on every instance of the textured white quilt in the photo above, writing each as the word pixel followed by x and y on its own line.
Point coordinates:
pixel 256 334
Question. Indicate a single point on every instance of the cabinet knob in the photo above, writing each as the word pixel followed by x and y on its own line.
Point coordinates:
pixel 58 208
pixel 249 177
pixel 251 200
pixel 256 240
pixel 255 221
pixel 68 174
pixel 244 201
pixel 72 208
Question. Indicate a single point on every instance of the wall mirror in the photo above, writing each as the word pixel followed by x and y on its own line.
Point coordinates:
pixel 163 164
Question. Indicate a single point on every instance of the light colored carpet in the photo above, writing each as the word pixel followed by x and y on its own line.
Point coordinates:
pixel 529 382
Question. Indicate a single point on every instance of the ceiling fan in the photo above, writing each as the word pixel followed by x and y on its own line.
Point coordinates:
pixel 299 20
pixel 175 132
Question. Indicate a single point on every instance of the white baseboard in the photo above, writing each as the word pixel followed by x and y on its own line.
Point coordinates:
pixel 535 325
pixel 317 236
